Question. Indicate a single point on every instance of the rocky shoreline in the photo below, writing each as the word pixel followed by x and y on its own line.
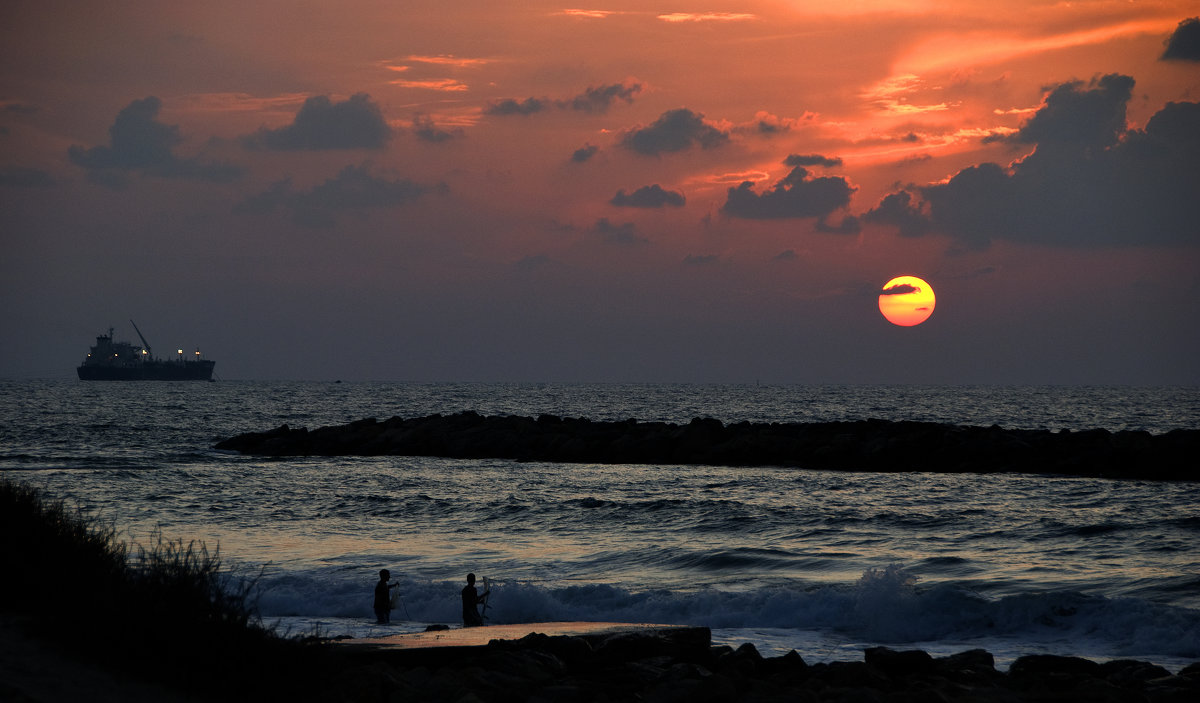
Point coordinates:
pixel 681 664
pixel 865 445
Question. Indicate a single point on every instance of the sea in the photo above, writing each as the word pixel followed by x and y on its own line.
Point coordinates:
pixel 823 562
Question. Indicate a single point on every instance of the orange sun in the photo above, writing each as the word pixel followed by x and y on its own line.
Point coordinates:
pixel 906 301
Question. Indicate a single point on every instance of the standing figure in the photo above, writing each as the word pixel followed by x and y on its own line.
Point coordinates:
pixel 471 600
pixel 383 598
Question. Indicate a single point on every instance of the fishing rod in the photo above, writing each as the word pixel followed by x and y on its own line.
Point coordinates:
pixel 402 605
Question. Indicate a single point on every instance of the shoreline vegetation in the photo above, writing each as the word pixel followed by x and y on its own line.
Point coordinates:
pixel 864 445
pixel 167 614
pixel 86 616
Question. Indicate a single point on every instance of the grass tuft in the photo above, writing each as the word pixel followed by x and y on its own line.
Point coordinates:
pixel 169 606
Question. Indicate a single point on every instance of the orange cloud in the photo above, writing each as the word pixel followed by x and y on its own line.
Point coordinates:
pixel 707 17
pixel 589 14
pixel 449 60
pixel 867 7
pixel 765 123
pixel 891 95
pixel 443 84
pixel 948 52
pixel 1015 111
pixel 235 102
pixel 738 177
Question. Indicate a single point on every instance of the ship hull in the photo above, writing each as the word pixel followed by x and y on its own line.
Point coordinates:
pixel 149 371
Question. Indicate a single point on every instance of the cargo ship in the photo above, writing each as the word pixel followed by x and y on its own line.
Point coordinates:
pixel 122 361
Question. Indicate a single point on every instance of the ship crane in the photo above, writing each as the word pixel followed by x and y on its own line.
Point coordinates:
pixel 144 342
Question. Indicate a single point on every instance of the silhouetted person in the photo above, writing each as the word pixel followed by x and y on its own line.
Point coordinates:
pixel 471 600
pixel 383 598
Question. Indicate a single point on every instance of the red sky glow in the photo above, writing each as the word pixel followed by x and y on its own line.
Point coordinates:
pixel 697 192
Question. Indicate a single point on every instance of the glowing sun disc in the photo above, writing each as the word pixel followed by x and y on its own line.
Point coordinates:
pixel 906 301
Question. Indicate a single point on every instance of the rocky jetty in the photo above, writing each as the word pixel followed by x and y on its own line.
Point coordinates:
pixel 682 666
pixel 866 445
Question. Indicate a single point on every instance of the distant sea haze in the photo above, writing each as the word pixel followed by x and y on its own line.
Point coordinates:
pixel 824 562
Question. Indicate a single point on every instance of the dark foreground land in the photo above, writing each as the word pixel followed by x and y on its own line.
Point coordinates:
pixel 866 445
pixel 85 617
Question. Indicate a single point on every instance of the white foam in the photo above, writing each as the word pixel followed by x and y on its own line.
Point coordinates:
pixel 886 606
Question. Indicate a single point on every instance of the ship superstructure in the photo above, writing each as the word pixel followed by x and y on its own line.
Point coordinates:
pixel 110 360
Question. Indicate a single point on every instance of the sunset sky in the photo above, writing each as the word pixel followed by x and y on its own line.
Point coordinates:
pixel 621 191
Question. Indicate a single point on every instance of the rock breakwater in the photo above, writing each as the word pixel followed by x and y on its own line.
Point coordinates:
pixel 865 445
pixel 682 665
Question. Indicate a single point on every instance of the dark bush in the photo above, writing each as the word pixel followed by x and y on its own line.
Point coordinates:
pixel 169 607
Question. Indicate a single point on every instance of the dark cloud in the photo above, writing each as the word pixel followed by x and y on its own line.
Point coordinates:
pixel 140 143
pixel 918 158
pixel 24 177
pixel 1184 43
pixel 584 153
pixel 651 196
pixel 849 225
pixel 355 123
pixel 899 209
pixel 1090 180
pixel 769 125
pixel 355 188
pixel 508 106
pixel 768 128
pixel 15 108
pixel 978 204
pixel 795 195
pixel 595 100
pixel 900 289
pixel 1074 116
pixel 794 160
pixel 625 233
pixel 785 255
pixel 701 259
pixel 425 130
pixel 674 130
pixel 599 99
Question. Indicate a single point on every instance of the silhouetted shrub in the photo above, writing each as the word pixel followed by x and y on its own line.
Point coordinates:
pixel 168 606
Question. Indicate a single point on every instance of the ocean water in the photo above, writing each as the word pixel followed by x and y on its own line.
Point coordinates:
pixel 823 562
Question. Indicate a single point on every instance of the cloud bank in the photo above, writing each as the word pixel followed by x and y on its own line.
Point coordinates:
pixel 355 188
pixel 651 196
pixel 675 130
pixel 584 153
pixel 594 100
pixel 624 234
pixel 811 160
pixel 1091 181
pixel 321 123
pixel 423 128
pixel 794 195
pixel 1184 43
pixel 139 143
